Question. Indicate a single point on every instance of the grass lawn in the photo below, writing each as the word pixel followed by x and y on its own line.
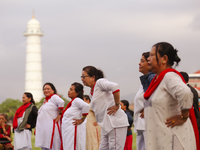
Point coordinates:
pixel 37 148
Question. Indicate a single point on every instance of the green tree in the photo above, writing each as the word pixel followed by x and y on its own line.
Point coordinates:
pixel 9 106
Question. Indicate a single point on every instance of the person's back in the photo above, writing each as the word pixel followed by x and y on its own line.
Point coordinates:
pixel 195 106
pixel 195 99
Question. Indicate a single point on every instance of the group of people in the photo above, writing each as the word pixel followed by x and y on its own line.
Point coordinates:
pixel 164 117
pixel 59 128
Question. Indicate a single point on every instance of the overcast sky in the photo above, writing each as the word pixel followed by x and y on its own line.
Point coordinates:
pixel 108 34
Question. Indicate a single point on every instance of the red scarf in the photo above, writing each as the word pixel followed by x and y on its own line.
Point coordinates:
pixel 19 113
pixel 68 105
pixel 152 87
pixel 48 97
pixel 92 90
pixel 156 81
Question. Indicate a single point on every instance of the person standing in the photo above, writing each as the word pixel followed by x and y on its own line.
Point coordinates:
pixel 23 122
pixel 139 122
pixel 129 138
pixel 167 104
pixel 93 130
pixel 195 99
pixel 48 133
pixel 73 121
pixel 105 100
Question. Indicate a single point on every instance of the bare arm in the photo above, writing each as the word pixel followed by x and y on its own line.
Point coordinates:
pixel 59 115
pixel 112 110
pixel 178 119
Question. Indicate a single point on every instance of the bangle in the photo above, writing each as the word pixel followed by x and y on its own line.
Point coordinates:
pixel 182 117
pixel 83 116
pixel 60 113
pixel 116 104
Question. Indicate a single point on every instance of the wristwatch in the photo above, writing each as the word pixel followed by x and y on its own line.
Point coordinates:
pixel 116 104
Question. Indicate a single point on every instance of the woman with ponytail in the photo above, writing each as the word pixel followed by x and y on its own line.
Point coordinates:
pixel 105 100
pixel 167 104
pixel 73 121
pixel 23 122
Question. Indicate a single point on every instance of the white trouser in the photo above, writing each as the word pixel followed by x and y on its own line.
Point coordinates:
pixel 114 140
pixel 140 140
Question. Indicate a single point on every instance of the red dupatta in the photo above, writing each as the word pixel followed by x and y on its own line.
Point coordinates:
pixel 68 105
pixel 19 113
pixel 152 87
pixel 156 81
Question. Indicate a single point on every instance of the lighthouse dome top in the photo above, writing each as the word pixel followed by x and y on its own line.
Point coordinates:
pixel 33 28
pixel 34 21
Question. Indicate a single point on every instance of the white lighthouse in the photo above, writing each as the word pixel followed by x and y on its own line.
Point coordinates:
pixel 33 77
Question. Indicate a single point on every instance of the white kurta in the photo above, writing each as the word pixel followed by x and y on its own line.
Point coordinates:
pixel 22 139
pixel 74 136
pixel 139 123
pixel 171 96
pixel 47 131
pixel 101 100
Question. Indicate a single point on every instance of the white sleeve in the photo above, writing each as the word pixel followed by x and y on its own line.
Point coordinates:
pixel 82 105
pixel 178 90
pixel 106 85
pixel 59 101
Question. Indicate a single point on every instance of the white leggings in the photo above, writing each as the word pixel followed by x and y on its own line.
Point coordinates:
pixel 114 140
pixel 140 140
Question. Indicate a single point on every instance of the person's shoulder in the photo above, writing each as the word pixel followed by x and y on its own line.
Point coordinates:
pixel 172 75
pixel 101 80
pixel 56 96
pixel 151 75
pixel 34 107
pixel 78 98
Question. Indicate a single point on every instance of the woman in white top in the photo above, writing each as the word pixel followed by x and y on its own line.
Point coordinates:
pixel 73 121
pixel 105 100
pixel 139 123
pixel 48 133
pixel 167 105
